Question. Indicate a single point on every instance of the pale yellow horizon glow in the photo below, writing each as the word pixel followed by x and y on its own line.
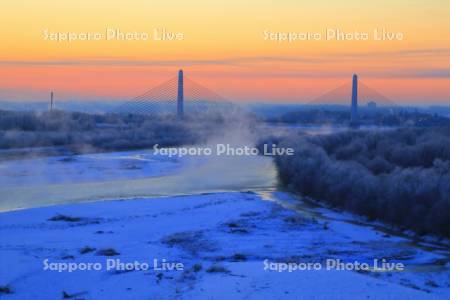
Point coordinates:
pixel 225 40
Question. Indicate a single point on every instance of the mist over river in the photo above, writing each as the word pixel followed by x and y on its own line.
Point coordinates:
pixel 54 180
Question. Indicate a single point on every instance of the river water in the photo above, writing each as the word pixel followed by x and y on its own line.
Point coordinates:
pixel 43 181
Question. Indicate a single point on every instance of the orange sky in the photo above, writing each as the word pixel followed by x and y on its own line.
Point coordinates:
pixel 224 48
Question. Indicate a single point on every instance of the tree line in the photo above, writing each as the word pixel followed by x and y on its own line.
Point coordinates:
pixel 398 176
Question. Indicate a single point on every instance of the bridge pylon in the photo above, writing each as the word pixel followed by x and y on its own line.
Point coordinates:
pixel 180 96
pixel 354 106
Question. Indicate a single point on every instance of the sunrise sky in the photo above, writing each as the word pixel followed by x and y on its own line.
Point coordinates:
pixel 224 48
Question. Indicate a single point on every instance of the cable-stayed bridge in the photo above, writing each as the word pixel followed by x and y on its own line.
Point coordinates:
pixel 342 96
pixel 182 96
pixel 354 93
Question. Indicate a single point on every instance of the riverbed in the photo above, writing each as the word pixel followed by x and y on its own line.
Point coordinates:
pixel 223 218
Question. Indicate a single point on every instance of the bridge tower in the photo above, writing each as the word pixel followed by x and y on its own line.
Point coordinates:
pixel 180 96
pixel 51 101
pixel 354 108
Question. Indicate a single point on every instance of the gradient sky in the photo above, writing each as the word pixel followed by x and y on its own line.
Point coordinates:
pixel 224 48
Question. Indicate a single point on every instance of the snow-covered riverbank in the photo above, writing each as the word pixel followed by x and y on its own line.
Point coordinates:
pixel 222 240
pixel 220 217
